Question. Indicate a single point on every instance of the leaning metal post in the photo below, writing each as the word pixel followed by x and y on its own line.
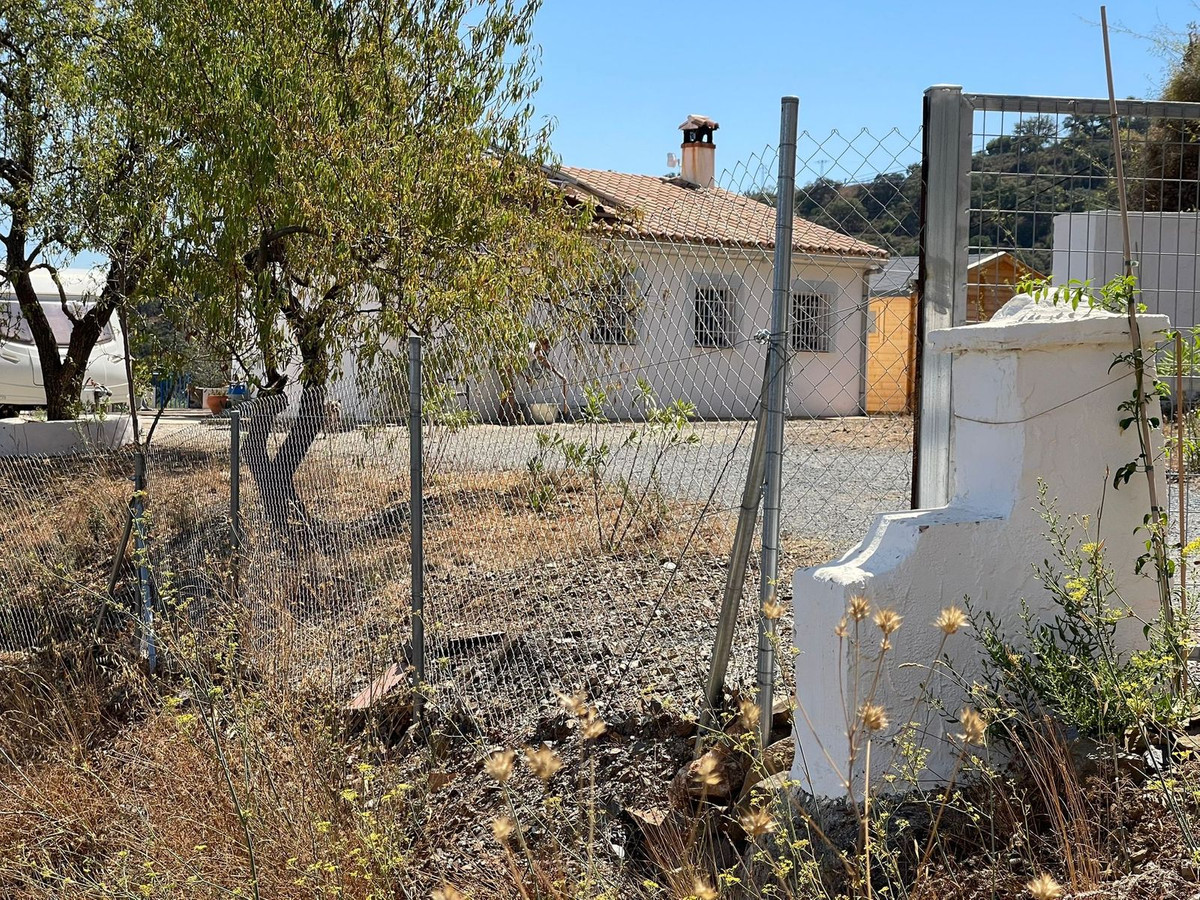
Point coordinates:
pixel 140 553
pixel 776 383
pixel 416 510
pixel 235 479
pixel 735 575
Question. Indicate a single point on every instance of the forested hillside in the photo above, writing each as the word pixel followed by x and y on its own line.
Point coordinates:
pixel 1040 167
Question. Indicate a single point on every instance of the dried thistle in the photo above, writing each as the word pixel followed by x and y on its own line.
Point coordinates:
pixel 593 725
pixel 503 828
pixel 500 765
pixel 543 761
pixel 859 608
pixel 748 713
pixel 951 619
pixel 841 630
pixel 707 773
pixel 888 621
pixel 575 704
pixel 873 716
pixel 1044 888
pixel 702 890
pixel 773 609
pixel 974 726
pixel 758 822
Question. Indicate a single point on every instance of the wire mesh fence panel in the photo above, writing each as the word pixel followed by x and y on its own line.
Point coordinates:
pixel 61 520
pixel 580 495
pixel 1044 205
pixel 1044 199
pixel 621 485
pixel 867 186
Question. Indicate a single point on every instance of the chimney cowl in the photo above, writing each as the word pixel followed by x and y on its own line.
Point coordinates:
pixel 698 129
pixel 699 151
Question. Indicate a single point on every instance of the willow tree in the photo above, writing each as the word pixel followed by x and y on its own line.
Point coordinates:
pixel 81 170
pixel 356 171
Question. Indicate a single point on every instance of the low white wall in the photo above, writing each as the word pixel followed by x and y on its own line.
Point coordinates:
pixel 27 437
pixel 1033 397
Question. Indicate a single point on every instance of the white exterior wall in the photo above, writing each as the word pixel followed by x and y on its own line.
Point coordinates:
pixel 1165 247
pixel 722 383
pixel 1026 407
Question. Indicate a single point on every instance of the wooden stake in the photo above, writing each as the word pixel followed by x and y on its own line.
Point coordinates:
pixel 1157 540
pixel 1180 471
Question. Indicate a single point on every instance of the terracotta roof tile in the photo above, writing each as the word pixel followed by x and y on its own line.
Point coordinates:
pixel 669 210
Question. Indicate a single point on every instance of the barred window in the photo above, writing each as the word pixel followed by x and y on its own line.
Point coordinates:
pixel 713 316
pixel 614 320
pixel 810 322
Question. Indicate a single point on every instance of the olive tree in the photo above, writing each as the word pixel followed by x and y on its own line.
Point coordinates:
pixel 354 172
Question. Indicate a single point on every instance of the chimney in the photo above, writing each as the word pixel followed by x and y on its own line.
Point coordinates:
pixel 699 151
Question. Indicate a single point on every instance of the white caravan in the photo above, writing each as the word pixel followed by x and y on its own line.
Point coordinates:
pixel 21 386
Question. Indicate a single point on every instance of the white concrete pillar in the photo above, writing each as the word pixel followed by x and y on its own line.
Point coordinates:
pixel 1033 397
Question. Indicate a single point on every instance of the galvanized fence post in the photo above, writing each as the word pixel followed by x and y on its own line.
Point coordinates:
pixel 416 509
pixel 140 550
pixel 776 384
pixel 942 281
pixel 235 479
pixel 735 574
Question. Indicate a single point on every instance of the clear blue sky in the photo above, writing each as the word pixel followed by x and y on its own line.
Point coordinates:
pixel 620 75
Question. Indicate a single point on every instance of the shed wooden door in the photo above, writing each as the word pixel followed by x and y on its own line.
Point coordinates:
pixel 890 355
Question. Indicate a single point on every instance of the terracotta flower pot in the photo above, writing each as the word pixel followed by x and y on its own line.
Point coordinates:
pixel 216 403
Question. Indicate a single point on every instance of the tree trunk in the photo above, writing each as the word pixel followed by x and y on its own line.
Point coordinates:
pixel 275 476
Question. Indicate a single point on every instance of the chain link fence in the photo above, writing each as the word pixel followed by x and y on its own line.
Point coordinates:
pixel 579 509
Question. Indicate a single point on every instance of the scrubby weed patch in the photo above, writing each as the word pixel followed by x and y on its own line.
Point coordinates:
pixel 1067 663
pixel 214 781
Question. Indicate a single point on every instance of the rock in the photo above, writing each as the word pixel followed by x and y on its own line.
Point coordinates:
pixel 776 759
pixel 714 777
pixel 781 714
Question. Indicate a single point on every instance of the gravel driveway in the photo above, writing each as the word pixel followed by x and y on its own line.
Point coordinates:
pixel 837 473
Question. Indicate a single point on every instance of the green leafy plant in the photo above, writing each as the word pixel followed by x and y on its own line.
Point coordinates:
pixel 1067 662
pixel 542 489
pixel 667 428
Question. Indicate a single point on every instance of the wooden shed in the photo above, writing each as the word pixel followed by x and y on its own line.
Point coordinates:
pixel 892 328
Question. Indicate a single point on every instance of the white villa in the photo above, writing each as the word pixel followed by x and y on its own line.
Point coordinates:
pixel 700 293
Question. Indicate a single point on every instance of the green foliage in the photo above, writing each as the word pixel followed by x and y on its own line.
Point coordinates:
pixel 1066 662
pixel 362 171
pixel 666 428
pixel 1167 362
pixel 1113 296
pixel 1166 172
pixel 84 167
pixel 1190 444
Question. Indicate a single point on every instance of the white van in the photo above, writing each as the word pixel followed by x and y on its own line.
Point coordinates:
pixel 21 387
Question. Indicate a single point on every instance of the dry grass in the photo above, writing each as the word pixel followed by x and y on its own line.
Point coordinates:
pixel 211 786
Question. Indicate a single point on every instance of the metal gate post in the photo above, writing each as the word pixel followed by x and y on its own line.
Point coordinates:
pixel 416 517
pixel 781 295
pixel 942 281
pixel 235 479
